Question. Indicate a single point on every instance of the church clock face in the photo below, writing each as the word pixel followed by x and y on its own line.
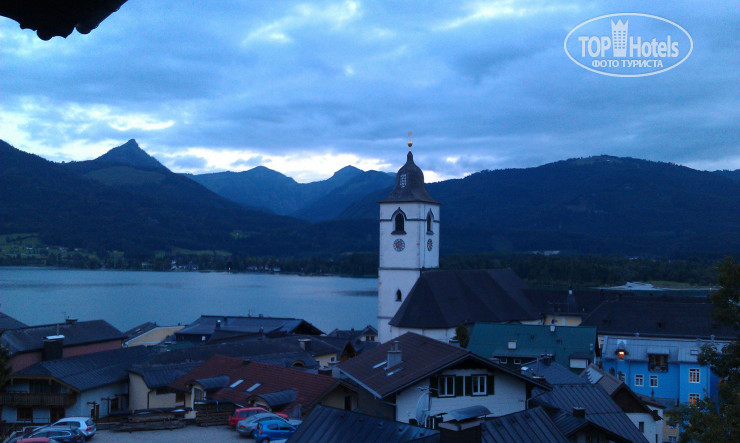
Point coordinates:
pixel 430 244
pixel 399 244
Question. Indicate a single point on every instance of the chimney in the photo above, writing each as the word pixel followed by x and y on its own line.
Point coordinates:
pixel 579 412
pixel 394 356
pixel 305 343
pixel 53 347
pixel 454 342
pixel 218 324
pixel 552 328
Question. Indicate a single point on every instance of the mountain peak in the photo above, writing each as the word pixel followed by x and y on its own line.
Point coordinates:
pixel 131 154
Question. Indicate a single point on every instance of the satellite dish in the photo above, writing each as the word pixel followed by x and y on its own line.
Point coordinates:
pixel 422 409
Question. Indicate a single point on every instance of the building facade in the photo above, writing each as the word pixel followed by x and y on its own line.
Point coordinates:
pixel 409 242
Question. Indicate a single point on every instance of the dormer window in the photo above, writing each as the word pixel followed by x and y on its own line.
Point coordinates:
pixel 399 221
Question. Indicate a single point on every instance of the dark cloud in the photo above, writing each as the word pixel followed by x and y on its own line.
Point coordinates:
pixel 489 88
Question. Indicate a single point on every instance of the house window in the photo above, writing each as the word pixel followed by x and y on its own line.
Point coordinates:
pixel 446 386
pixel 517 361
pixel 56 414
pixel 672 439
pixel 503 360
pixel 399 224
pixel 398 295
pixel 199 394
pixel 639 380
pixel 641 426
pixel 114 404
pixel 653 381
pixel 620 375
pixel 24 414
pixel 693 398
pixel 694 375
pixel 657 363
pixel 371 337
pixel 479 385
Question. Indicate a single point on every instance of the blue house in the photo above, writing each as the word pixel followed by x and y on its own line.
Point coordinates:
pixel 661 368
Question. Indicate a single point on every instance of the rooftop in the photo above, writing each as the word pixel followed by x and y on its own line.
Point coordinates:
pixel 31 338
pixel 446 299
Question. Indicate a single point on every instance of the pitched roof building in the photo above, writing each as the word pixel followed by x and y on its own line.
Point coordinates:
pixel 515 344
pixel 442 300
pixel 216 327
pixel 32 344
pixel 395 375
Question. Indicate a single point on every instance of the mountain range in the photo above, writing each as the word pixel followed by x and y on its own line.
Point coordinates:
pixel 127 200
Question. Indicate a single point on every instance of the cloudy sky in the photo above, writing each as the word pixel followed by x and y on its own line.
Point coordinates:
pixel 308 87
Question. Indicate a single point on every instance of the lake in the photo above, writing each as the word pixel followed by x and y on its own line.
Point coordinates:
pixel 128 298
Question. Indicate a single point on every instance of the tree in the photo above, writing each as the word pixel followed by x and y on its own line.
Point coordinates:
pixel 706 420
pixel 462 335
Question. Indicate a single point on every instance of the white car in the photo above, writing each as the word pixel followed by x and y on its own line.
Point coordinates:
pixel 84 424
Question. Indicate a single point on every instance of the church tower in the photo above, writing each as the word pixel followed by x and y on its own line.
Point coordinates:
pixel 409 241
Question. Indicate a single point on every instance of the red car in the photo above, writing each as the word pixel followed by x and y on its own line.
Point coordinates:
pixel 242 413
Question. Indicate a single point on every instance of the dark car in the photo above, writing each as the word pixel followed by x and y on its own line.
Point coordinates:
pixel 62 435
pixel 272 430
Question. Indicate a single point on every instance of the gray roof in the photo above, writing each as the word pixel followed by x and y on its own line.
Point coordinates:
pixel 31 338
pixel 280 398
pixel 8 322
pixel 553 372
pixel 678 317
pixel 266 350
pixel 229 326
pixel 409 185
pixel 446 299
pixel 528 426
pixel 638 348
pixel 161 376
pixel 214 382
pixel 330 425
pixel 139 330
pixel 88 371
pixel 600 409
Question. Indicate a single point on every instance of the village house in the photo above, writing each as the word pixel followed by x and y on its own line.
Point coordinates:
pixel 92 385
pixel 586 407
pixel 278 389
pixel 218 327
pixel 149 334
pixel 514 344
pixel 32 344
pixel 646 415
pixel 417 379
pixel 149 381
pixel 361 339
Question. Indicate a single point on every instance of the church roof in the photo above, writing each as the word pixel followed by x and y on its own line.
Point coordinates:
pixel 409 185
pixel 445 299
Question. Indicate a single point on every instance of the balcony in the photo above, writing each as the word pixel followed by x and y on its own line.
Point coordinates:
pixel 27 399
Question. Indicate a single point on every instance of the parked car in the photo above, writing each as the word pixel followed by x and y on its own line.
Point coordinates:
pixel 37 440
pixel 60 434
pixel 246 426
pixel 242 413
pixel 272 430
pixel 83 424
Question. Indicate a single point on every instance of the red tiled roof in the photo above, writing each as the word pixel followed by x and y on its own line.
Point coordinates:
pixel 310 388
pixel 213 367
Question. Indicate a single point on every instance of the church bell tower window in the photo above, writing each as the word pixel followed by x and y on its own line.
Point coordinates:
pixel 399 224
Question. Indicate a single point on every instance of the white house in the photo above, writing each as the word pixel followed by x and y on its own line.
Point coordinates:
pixel 415 379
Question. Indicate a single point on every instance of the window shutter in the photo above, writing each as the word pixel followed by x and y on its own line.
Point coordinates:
pixel 469 385
pixel 459 386
pixel 434 386
pixel 489 384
